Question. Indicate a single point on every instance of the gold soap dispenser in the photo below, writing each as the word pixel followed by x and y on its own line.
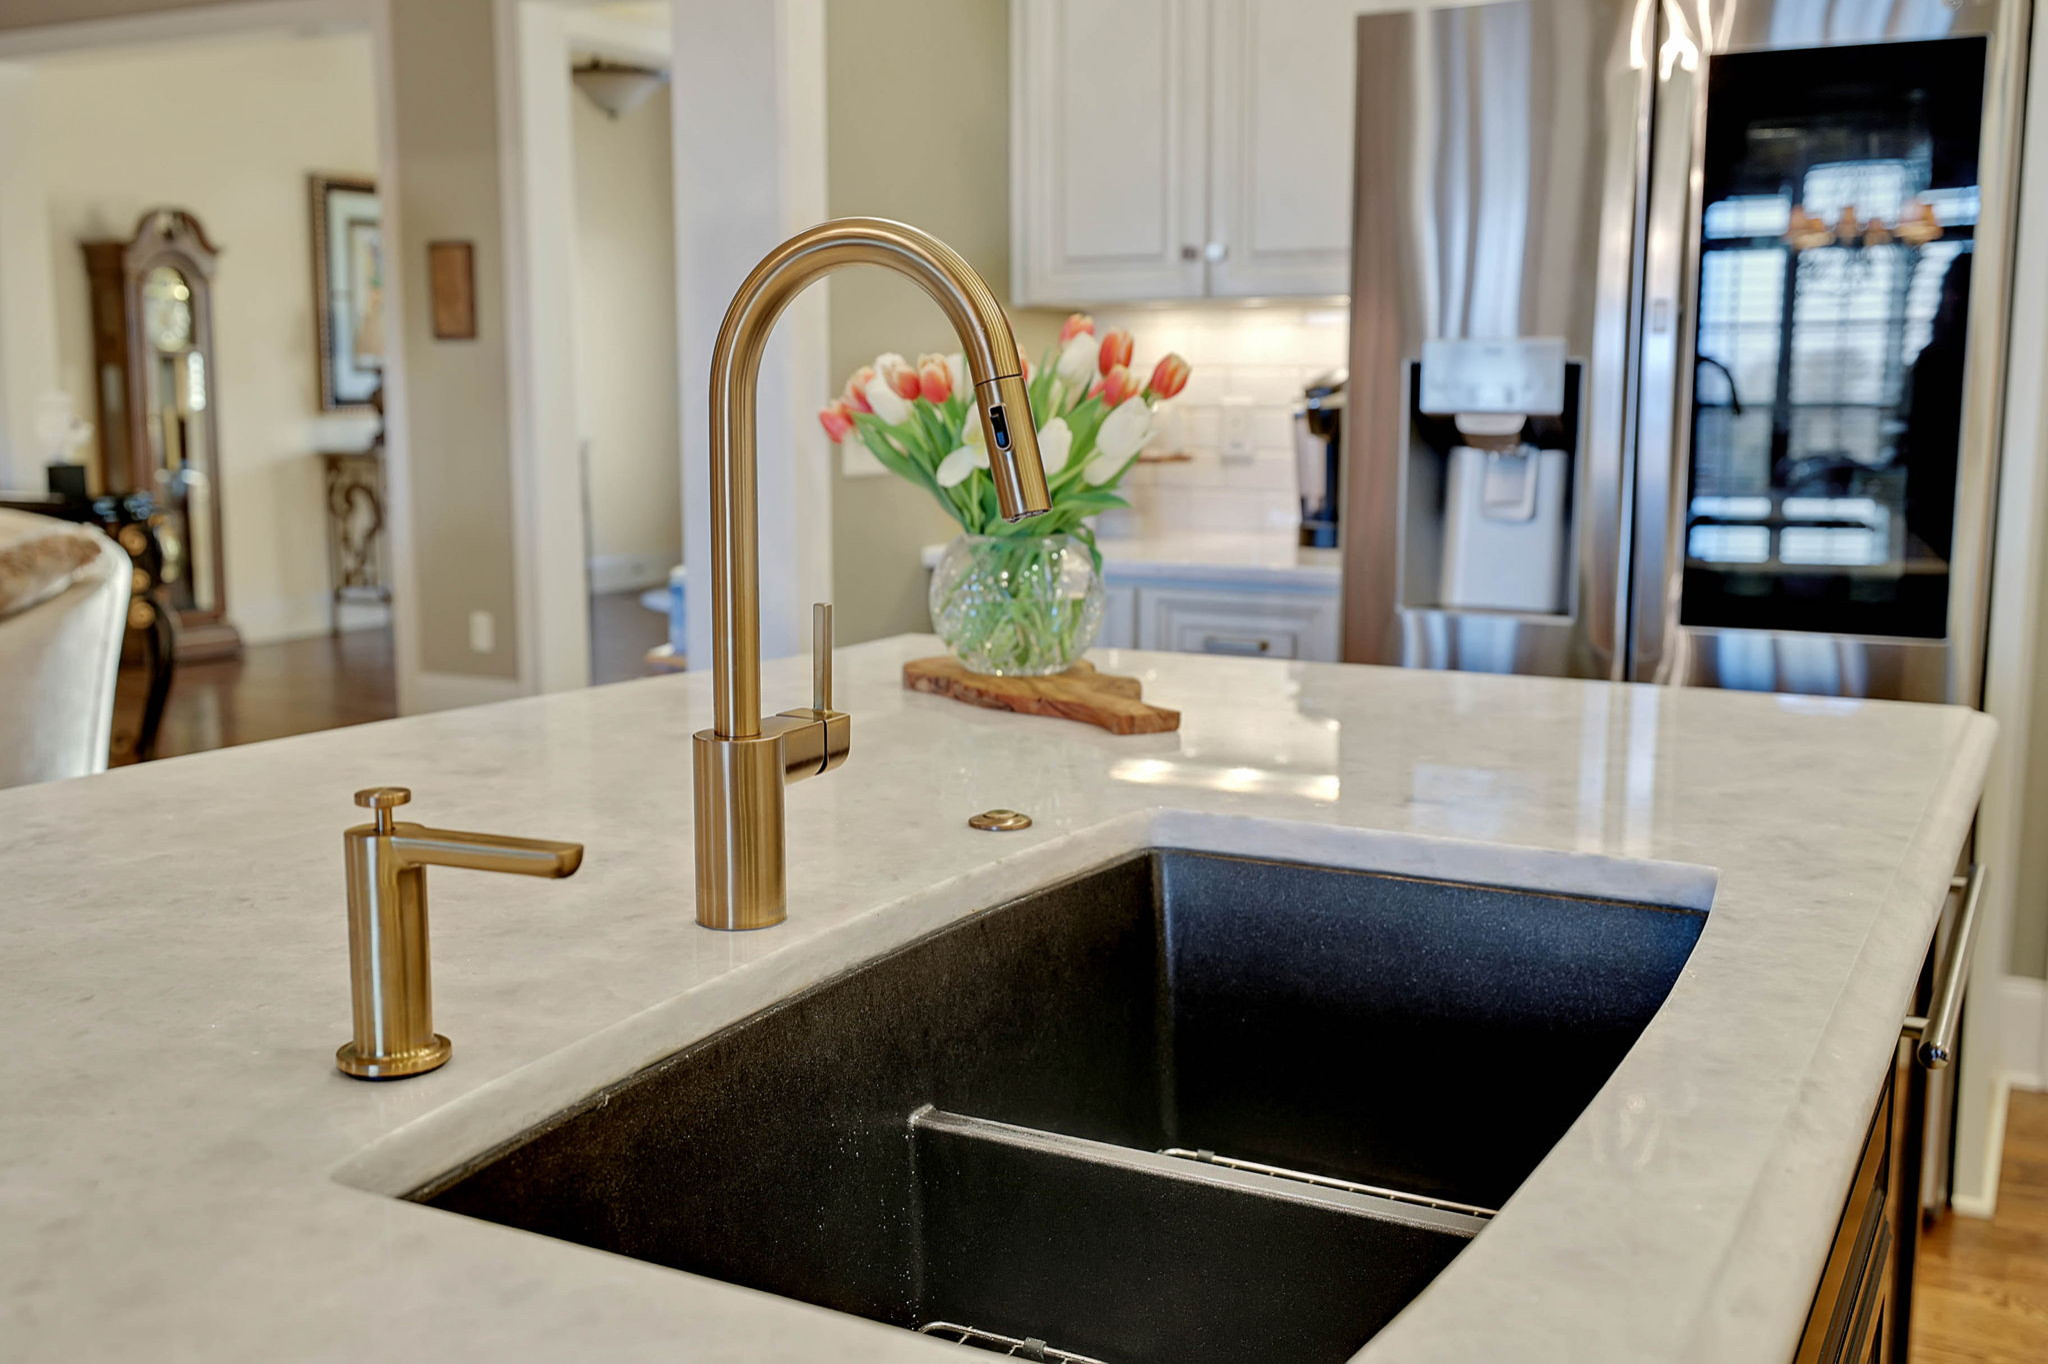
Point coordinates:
pixel 390 984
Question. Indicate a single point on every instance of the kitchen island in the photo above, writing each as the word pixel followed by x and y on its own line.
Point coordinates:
pixel 186 1176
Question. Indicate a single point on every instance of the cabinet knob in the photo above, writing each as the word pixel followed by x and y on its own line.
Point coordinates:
pixel 1191 252
pixel 1215 252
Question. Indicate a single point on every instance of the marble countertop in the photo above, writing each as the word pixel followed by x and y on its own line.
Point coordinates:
pixel 184 1175
pixel 1251 559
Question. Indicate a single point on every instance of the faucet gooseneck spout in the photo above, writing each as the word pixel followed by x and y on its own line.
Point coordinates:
pixel 742 763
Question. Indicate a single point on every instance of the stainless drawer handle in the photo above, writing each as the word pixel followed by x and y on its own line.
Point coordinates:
pixel 1936 1033
pixel 1244 645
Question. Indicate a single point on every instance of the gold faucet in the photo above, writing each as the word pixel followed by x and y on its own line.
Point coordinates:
pixel 743 762
pixel 390 987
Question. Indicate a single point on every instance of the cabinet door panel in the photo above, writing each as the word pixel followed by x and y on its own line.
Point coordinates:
pixel 1280 132
pixel 1107 145
pixel 1119 618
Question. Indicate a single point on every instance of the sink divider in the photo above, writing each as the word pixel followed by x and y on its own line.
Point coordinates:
pixel 1156 1258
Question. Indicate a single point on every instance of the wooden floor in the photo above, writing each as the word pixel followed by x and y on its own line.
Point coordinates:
pixel 1980 1293
pixel 303 685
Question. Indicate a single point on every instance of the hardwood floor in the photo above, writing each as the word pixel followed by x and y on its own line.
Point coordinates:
pixel 1980 1291
pixel 326 682
pixel 271 691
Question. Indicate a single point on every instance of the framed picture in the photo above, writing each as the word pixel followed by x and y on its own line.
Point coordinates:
pixel 451 282
pixel 348 290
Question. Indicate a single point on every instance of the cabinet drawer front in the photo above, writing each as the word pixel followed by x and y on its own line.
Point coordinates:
pixel 1245 624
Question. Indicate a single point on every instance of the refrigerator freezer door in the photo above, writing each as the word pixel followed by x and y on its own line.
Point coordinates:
pixel 1499 154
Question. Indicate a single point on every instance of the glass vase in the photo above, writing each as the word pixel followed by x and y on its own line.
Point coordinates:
pixel 1017 605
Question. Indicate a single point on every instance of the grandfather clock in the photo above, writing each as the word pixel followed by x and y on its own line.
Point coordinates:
pixel 152 343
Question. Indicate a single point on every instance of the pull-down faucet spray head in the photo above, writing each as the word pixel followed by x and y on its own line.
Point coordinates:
pixel 1012 445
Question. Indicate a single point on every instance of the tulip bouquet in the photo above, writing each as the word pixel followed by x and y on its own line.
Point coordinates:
pixel 1014 605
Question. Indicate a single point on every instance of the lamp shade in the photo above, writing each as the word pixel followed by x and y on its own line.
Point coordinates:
pixel 617 89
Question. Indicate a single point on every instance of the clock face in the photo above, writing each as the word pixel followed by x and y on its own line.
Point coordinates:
pixel 167 310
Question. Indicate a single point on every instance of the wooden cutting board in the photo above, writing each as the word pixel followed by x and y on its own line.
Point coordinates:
pixel 1080 693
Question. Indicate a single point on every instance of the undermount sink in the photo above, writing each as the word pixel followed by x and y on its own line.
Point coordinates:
pixel 1181 1107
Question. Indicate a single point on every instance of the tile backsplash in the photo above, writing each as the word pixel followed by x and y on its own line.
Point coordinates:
pixel 1234 420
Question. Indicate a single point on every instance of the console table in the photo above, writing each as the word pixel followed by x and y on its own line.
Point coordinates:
pixel 355 528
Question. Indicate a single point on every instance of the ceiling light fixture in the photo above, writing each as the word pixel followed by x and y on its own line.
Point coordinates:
pixel 617 89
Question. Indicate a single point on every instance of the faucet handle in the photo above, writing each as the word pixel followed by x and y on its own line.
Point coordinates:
pixel 821 655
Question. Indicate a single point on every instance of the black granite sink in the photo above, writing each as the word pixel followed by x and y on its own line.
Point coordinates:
pixel 966 1130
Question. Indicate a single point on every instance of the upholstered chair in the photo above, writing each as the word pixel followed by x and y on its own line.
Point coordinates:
pixel 66 610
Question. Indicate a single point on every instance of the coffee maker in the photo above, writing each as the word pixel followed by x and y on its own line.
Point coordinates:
pixel 1318 447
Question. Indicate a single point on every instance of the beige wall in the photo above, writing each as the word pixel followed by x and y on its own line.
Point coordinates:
pixel 254 116
pixel 626 338
pixel 457 392
pixel 917 107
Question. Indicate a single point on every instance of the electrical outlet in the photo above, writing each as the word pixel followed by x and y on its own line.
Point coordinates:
pixel 483 632
pixel 1239 440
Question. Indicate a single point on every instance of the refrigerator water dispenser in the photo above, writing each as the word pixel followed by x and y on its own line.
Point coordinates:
pixel 1505 530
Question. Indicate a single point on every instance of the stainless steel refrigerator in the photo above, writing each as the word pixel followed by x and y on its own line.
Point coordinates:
pixel 1678 339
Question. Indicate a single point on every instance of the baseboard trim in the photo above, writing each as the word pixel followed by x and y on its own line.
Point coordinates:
pixel 628 572
pixel 1983 1203
pixel 457 691
pixel 2022 1012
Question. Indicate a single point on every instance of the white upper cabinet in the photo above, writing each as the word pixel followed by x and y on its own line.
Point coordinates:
pixel 1280 116
pixel 1165 149
pixel 1107 148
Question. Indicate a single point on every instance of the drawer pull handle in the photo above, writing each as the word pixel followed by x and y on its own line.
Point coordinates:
pixel 1936 1033
pixel 1240 645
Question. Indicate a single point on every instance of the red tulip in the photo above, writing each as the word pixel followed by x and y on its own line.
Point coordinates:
pixel 903 380
pixel 1118 385
pixel 1075 324
pixel 1169 376
pixel 836 420
pixel 852 397
pixel 934 379
pixel 1116 350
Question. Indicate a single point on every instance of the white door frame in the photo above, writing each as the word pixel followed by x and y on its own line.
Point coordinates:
pixel 748 148
pixel 537 173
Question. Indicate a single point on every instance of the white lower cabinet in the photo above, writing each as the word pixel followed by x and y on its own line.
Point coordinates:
pixel 1119 618
pixel 1247 624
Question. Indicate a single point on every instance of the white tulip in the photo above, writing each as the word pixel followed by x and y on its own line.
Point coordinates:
pixel 1076 365
pixel 1122 433
pixel 889 360
pixel 1055 444
pixel 956 369
pixel 883 399
pixel 954 468
pixel 970 429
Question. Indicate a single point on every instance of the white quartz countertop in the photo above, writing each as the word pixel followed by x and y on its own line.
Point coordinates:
pixel 1249 559
pixel 185 1176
